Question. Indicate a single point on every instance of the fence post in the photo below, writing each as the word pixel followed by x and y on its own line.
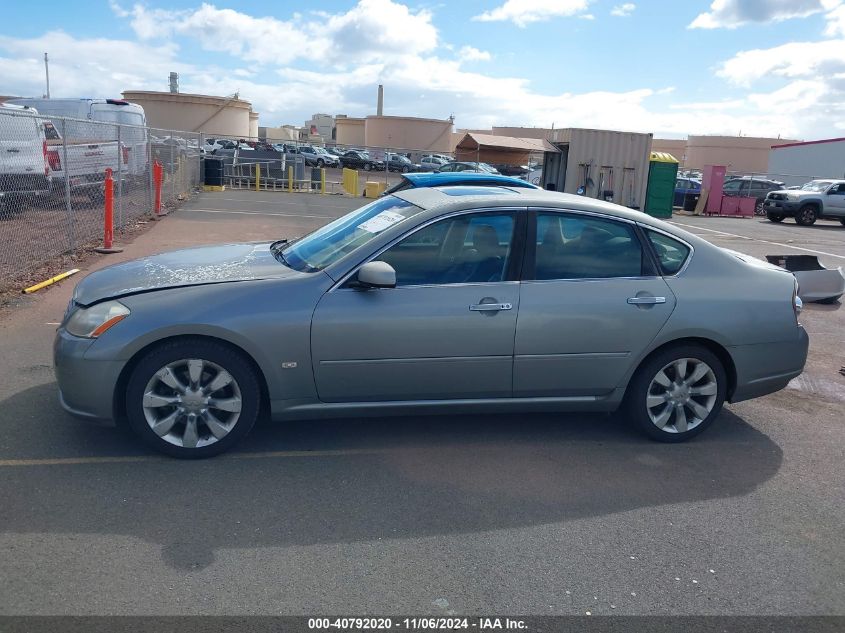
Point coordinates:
pixel 158 178
pixel 322 180
pixel 68 206
pixel 151 170
pixel 257 176
pixel 119 180
pixel 290 178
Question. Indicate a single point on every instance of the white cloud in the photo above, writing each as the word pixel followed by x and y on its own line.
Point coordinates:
pixel 524 12
pixel 623 10
pixel 835 22
pixel 472 54
pixel 372 29
pixel 730 14
pixel 796 59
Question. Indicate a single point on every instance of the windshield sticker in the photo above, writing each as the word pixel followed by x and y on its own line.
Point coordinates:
pixel 378 223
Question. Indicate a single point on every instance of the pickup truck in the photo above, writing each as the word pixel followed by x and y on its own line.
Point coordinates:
pixel 817 199
pixel 85 165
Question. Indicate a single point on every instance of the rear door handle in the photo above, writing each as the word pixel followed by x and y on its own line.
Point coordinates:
pixel 644 301
pixel 490 307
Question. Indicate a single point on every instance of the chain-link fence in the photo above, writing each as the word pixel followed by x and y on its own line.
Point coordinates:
pixel 53 178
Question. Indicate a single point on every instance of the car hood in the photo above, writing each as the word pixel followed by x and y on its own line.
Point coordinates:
pixel 176 269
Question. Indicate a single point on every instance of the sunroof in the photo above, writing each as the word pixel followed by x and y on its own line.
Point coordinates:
pixel 475 191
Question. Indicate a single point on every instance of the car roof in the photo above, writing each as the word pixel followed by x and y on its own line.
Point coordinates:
pixel 442 179
pixel 439 201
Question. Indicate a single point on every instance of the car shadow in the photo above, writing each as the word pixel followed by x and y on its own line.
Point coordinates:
pixel 324 482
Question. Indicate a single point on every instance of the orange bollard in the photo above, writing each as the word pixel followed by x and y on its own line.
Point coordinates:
pixel 158 179
pixel 108 216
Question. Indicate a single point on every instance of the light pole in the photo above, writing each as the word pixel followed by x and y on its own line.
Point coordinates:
pixel 47 72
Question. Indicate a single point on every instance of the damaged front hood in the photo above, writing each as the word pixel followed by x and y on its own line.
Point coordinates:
pixel 187 267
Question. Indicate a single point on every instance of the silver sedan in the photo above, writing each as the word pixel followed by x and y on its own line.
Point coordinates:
pixel 444 300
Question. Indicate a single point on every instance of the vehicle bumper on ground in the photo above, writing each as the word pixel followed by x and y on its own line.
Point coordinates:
pixel 781 207
pixel 768 367
pixel 86 387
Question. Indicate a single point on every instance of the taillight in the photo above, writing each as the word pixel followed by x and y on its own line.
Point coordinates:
pixel 797 304
pixel 53 160
pixel 125 155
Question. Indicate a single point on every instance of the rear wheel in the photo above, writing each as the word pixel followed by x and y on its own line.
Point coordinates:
pixel 806 215
pixel 367 167
pixel 677 393
pixel 192 398
pixel 404 169
pixel 758 208
pixel 774 217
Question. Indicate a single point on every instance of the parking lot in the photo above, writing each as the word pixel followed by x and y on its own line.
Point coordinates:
pixel 526 514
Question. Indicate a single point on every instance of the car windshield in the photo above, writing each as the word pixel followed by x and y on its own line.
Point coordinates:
pixel 816 185
pixel 328 244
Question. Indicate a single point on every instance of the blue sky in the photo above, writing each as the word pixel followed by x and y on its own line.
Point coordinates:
pixel 756 67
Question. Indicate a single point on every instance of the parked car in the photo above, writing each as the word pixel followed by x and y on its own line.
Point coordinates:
pixel 751 187
pixel 687 193
pixel 817 199
pixel 400 163
pixel 336 151
pixel 410 304
pixel 464 179
pixel 24 163
pixel 511 170
pixel 431 163
pixel 356 159
pixel 467 166
pixel 318 156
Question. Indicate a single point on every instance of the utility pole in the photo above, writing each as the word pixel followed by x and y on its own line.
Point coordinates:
pixel 47 72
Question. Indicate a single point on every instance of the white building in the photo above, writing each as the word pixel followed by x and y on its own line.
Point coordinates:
pixel 320 125
pixel 797 163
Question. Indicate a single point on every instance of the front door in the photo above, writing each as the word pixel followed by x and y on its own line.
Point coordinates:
pixel 591 302
pixel 445 332
pixel 834 201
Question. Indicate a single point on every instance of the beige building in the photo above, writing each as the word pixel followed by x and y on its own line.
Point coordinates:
pixel 279 134
pixel 738 153
pixel 214 116
pixel 395 132
pixel 677 147
pixel 349 130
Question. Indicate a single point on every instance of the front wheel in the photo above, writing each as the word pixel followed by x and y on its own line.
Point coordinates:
pixel 677 393
pixel 774 217
pixel 320 163
pixel 192 398
pixel 367 167
pixel 806 215
pixel 404 169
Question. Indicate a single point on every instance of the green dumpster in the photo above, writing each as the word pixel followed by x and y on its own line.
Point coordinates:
pixel 660 191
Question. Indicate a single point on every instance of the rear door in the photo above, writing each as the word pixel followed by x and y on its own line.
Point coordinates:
pixel 591 302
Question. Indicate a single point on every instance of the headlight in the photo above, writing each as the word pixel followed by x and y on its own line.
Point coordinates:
pixel 93 321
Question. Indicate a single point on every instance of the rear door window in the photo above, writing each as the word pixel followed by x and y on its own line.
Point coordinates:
pixel 671 253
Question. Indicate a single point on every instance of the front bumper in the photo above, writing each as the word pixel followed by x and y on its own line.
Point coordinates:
pixel 768 367
pixel 86 387
pixel 781 207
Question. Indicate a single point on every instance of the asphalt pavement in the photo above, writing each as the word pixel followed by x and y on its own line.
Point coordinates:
pixel 496 514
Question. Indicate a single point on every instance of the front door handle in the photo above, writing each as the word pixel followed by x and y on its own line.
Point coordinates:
pixel 490 307
pixel 646 301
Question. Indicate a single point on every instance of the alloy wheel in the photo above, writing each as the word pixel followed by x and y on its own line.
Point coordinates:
pixel 192 403
pixel 682 395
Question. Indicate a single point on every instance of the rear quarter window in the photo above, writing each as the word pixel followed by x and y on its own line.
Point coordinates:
pixel 672 254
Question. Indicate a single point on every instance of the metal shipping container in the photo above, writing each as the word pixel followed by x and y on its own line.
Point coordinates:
pixel 602 164
pixel 796 163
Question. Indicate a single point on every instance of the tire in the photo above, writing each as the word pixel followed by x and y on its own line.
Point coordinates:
pixel 774 217
pixel 807 215
pixel 646 386
pixel 404 169
pixel 165 374
pixel 367 167
pixel 758 208
pixel 320 163
pixel 842 221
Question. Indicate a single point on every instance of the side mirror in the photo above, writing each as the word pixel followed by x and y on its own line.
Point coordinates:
pixel 376 275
